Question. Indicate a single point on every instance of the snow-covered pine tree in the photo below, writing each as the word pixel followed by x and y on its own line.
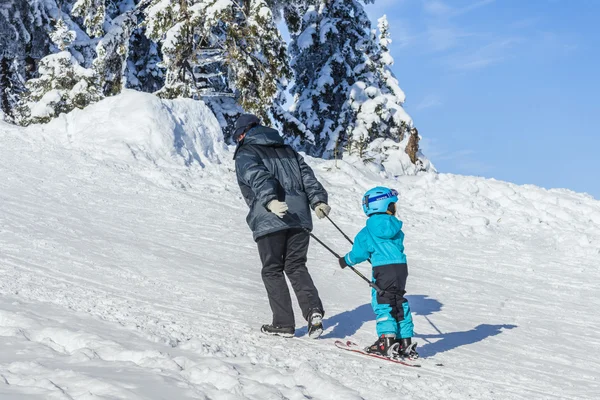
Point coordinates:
pixel 345 92
pixel 381 126
pixel 172 24
pixel 143 72
pixel 376 99
pixel 325 54
pixel 24 40
pixel 257 56
pixel 112 52
pixel 218 50
pixel 111 23
pixel 93 13
pixel 191 35
pixel 62 84
pixel 5 89
pixel 291 11
pixel 11 87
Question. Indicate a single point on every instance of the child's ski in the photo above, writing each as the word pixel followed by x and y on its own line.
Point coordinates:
pixel 353 347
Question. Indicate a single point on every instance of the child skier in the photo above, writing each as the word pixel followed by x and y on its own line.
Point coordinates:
pixel 382 242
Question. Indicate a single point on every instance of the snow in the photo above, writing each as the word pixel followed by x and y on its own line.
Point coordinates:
pixel 154 17
pixel 265 12
pixel 173 36
pixel 219 6
pixel 394 160
pixel 325 79
pixel 305 39
pixel 136 126
pixel 127 271
pixel 327 29
pixel 42 108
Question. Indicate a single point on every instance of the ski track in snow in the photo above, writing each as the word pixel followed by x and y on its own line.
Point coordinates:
pixel 127 281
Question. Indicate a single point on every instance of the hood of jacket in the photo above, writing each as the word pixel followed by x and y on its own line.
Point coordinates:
pixel 261 136
pixel 384 226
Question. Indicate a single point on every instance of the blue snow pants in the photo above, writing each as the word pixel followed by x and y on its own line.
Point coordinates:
pixel 391 307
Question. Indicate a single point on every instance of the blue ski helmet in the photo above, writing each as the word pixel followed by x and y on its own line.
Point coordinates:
pixel 378 199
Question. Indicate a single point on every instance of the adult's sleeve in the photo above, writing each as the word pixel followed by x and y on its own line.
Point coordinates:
pixel 251 171
pixel 314 190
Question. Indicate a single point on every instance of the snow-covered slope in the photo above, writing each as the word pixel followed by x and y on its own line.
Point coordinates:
pixel 127 272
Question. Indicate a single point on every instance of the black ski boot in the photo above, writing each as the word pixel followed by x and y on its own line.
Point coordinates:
pixel 407 349
pixel 384 346
pixel 315 324
pixel 284 331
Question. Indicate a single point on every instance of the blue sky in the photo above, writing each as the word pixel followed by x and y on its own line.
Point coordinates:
pixel 506 89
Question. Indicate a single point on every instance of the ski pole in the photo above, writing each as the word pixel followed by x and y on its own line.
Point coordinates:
pixel 343 234
pixel 341 231
pixel 322 244
pixel 372 284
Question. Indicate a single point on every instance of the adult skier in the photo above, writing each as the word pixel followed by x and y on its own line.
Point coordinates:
pixel 280 188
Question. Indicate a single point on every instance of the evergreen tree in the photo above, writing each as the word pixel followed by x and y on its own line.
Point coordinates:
pixel 62 84
pixel 6 103
pixel 111 23
pixel 325 54
pixel 375 100
pixel 93 13
pixel 257 57
pixel 346 95
pixel 24 40
pixel 143 71
pixel 191 38
pixel 218 50
pixel 112 52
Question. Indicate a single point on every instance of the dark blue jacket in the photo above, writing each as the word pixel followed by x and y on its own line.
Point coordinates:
pixel 268 169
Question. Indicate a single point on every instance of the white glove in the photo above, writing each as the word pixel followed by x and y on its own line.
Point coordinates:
pixel 277 207
pixel 322 210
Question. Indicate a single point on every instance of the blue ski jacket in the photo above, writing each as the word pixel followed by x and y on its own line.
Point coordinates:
pixel 382 241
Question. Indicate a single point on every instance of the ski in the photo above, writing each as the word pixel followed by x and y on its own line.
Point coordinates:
pixel 353 347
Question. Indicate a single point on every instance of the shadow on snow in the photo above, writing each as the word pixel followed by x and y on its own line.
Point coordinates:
pixel 347 323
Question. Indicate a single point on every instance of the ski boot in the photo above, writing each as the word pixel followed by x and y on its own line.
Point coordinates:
pixel 284 331
pixel 385 346
pixel 407 349
pixel 315 324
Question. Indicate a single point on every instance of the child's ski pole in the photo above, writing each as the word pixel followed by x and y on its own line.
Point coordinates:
pixel 372 284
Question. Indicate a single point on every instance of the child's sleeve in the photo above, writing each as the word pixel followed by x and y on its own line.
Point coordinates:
pixel 360 251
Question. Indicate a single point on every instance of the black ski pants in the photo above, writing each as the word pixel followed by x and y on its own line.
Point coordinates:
pixel 285 252
pixel 391 307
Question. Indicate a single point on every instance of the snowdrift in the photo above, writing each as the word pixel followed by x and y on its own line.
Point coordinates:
pixel 136 126
pixel 127 271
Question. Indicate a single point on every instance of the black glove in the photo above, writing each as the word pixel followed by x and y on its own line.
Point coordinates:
pixel 343 263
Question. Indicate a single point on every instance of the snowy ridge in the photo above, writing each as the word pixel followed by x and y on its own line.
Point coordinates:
pixel 127 271
pixel 162 132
